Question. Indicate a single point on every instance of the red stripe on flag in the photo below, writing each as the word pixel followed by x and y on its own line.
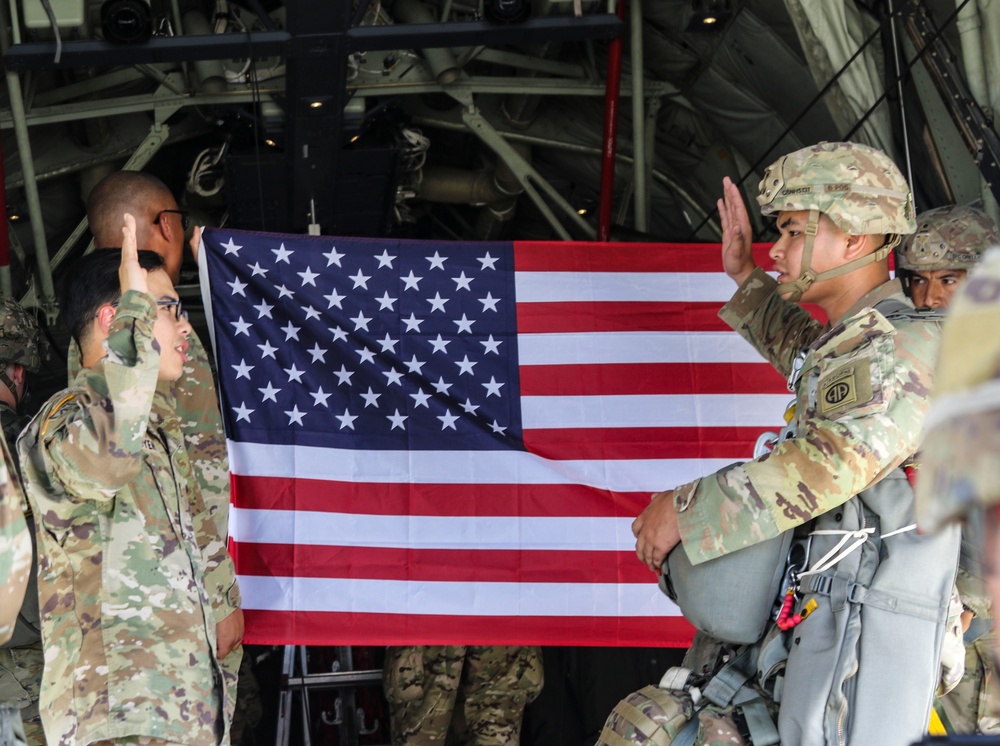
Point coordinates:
pixel 562 256
pixel 736 443
pixel 439 565
pixel 339 628
pixel 614 316
pixel 385 498
pixel 650 378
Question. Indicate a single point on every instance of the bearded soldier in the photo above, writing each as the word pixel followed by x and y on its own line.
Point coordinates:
pixel 948 242
pixel 933 264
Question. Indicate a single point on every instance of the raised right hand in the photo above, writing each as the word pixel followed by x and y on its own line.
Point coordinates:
pixel 737 254
pixel 130 274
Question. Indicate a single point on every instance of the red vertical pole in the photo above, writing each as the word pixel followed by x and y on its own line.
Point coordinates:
pixel 611 99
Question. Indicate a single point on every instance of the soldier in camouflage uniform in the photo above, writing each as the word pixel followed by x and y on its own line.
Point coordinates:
pixel 948 242
pixel 127 560
pixel 960 461
pixel 478 693
pixel 932 264
pixel 21 658
pixel 160 228
pixel 15 568
pixel 861 382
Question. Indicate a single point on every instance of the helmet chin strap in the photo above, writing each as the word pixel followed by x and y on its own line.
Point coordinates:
pixel 6 381
pixel 797 287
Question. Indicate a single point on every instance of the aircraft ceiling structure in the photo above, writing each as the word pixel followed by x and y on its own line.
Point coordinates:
pixel 469 119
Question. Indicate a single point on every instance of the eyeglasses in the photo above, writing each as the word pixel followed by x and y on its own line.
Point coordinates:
pixel 185 217
pixel 176 305
pixel 179 312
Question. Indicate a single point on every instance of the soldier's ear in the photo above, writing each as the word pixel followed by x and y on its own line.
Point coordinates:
pixel 857 246
pixel 105 314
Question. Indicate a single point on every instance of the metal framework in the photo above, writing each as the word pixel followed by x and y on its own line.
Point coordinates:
pixel 319 36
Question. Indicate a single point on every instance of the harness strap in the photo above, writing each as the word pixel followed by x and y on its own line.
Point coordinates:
pixel 855 593
pixel 977 628
pixel 730 687
pixel 686 736
pixel 763 731
pixel 726 684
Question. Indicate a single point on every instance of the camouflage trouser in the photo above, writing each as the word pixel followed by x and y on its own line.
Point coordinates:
pixel 653 715
pixel 230 666
pixel 249 709
pixel 973 706
pixel 20 685
pixel 477 692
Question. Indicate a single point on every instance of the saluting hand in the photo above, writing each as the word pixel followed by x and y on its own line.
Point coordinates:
pixel 130 274
pixel 737 243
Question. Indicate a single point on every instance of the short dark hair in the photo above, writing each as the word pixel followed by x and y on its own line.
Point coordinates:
pixel 135 192
pixel 92 282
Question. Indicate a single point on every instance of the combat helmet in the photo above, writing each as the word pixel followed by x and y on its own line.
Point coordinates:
pixel 858 187
pixel 19 342
pixel 951 237
pixel 19 338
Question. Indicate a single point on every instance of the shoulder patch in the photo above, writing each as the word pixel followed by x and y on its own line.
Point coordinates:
pixel 845 387
pixel 55 410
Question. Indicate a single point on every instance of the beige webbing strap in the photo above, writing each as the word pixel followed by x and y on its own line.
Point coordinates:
pixel 806 277
pixel 609 738
pixel 643 722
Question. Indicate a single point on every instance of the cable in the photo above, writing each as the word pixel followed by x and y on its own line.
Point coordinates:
pixel 255 97
pixel 55 29
pixel 866 115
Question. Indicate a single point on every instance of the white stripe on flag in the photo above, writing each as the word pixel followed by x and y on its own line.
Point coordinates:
pixel 462 467
pixel 432 532
pixel 634 347
pixel 362 596
pixel 667 410
pixel 675 287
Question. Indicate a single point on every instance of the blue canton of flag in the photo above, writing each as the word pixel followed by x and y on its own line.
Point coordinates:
pixel 352 343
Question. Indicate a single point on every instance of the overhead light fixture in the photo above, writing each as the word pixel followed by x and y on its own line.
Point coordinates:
pixel 709 15
pixel 126 21
pixel 315 104
pixel 507 11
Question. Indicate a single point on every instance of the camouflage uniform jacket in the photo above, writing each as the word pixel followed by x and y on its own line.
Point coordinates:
pixel 15 546
pixel 197 403
pixel 123 554
pixel 860 404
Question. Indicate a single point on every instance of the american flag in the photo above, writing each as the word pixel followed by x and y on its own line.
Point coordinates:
pixel 442 442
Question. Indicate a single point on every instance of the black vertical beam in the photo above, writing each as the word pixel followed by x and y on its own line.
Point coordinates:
pixel 314 108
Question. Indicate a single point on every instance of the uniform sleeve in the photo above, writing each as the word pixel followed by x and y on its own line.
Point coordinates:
pixel 776 328
pixel 831 458
pixel 220 572
pixel 15 548
pixel 94 437
pixel 197 405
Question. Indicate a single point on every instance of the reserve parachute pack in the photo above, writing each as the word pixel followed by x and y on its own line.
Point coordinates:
pixel 880 592
pixel 876 590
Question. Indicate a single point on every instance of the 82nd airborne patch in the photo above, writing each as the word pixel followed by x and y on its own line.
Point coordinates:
pixel 844 388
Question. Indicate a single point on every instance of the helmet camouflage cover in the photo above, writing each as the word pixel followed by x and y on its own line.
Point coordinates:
pixel 19 339
pixel 858 187
pixel 947 238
